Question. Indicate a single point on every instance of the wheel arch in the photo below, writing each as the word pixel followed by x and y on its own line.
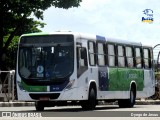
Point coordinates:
pixel 94 85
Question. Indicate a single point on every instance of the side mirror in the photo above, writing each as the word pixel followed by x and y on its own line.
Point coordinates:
pixel 83 53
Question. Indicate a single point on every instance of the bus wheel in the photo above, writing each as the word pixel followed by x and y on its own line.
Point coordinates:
pixel 39 106
pixel 132 99
pixel 91 102
pixel 128 103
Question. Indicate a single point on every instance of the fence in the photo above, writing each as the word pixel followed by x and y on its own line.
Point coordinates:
pixel 7 86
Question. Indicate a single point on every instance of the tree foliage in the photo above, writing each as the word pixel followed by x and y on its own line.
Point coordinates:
pixel 15 18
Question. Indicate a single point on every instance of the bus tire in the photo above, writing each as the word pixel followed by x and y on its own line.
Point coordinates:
pixel 128 103
pixel 91 102
pixel 39 106
pixel 132 99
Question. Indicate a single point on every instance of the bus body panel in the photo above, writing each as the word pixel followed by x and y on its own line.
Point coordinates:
pixel 149 85
pixel 111 82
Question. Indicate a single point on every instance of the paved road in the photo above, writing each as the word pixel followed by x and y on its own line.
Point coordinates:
pixel 72 113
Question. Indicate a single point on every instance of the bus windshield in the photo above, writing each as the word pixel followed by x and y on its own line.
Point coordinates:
pixel 46 57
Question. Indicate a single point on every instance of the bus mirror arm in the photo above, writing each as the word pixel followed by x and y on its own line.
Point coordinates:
pixel 78 44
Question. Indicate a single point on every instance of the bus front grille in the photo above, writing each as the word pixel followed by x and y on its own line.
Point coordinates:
pixel 48 95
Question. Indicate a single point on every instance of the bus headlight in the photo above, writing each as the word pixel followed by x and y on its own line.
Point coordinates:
pixel 20 86
pixel 70 84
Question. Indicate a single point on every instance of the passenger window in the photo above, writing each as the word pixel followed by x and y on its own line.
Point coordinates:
pixel 101 54
pixel 111 55
pixel 121 58
pixel 129 55
pixel 91 49
pixel 138 58
pixel 146 58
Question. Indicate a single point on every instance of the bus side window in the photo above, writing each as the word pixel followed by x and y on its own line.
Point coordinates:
pixel 129 55
pixel 83 57
pixel 111 55
pixel 147 59
pixel 101 54
pixel 121 58
pixel 138 58
pixel 82 64
pixel 91 53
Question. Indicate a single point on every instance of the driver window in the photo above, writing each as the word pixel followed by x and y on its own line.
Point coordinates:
pixel 82 64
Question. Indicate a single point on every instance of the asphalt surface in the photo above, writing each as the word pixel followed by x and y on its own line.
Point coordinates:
pixel 22 103
pixel 101 112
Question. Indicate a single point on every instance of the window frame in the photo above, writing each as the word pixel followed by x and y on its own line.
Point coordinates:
pixel 104 54
pixel 138 57
pixel 149 58
pixel 129 57
pixel 123 56
pixel 94 53
pixel 108 55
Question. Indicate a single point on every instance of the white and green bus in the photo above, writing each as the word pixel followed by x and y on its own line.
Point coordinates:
pixel 63 66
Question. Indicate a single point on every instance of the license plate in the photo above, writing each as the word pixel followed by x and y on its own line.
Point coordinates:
pixel 44 98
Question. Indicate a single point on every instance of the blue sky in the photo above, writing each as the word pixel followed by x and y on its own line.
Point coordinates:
pixel 109 18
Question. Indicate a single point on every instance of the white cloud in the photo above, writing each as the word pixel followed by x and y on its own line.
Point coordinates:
pixel 113 18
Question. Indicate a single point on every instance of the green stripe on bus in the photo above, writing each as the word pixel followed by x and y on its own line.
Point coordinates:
pixel 30 88
pixel 120 79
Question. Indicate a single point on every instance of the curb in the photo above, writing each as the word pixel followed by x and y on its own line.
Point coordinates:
pixel 147 102
pixel 21 104
pixel 138 102
pixel 16 104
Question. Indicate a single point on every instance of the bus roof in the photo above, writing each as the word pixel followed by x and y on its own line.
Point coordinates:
pixel 35 34
pixel 77 34
pixel 147 45
pixel 123 42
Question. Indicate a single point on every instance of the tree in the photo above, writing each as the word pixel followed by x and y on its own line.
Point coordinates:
pixel 15 16
pixel 29 27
